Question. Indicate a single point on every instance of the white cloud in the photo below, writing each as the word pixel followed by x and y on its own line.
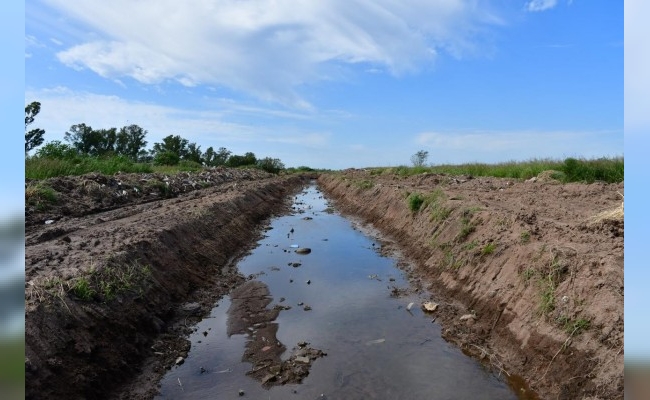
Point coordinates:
pixel 540 5
pixel 268 49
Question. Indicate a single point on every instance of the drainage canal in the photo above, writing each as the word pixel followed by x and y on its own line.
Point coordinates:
pixel 337 320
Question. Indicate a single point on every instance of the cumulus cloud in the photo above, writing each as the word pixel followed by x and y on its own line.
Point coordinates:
pixel 267 49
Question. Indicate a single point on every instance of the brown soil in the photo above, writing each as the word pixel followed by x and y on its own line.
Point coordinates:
pixel 118 269
pixel 525 277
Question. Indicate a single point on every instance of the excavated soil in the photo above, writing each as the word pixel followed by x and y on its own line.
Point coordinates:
pixel 119 268
pixel 527 275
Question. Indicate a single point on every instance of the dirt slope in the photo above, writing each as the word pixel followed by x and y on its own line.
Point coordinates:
pixel 118 268
pixel 538 281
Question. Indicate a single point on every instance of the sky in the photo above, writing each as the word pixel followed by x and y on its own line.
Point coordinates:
pixel 356 83
pixel 340 83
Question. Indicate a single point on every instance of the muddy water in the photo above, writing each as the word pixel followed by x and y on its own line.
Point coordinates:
pixel 377 348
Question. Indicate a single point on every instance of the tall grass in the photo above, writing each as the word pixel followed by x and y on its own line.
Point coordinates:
pixel 43 168
pixel 572 169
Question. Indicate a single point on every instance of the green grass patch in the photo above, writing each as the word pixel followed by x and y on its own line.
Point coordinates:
pixel 573 327
pixel 365 184
pixel 40 196
pixel 82 289
pixel 116 279
pixel 43 168
pixel 488 249
pixel 524 237
pixel 415 201
pixel 609 170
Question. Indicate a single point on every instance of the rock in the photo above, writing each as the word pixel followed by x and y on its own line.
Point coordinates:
pixel 179 361
pixel 191 308
pixel 302 359
pixel 241 392
pixel 303 250
pixel 430 306
pixel 468 317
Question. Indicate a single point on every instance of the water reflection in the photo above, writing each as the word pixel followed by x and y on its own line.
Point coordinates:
pixel 357 315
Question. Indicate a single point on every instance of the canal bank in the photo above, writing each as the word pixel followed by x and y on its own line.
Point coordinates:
pixel 530 273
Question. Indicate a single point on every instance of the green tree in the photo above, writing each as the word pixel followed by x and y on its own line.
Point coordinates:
pixel 222 156
pixel 193 153
pixel 56 149
pixel 89 141
pixel 130 142
pixel 420 158
pixel 173 144
pixel 239 161
pixel 272 165
pixel 34 137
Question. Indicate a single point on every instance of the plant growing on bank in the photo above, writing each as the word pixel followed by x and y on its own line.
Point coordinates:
pixel 40 196
pixel 488 249
pixel 415 201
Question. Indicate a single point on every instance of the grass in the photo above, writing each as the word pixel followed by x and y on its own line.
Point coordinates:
pixel 103 284
pixel 82 289
pixel 365 184
pixel 41 196
pixel 433 200
pixel 43 168
pixel 573 327
pixel 488 249
pixel 467 226
pixel 524 237
pixel 609 170
pixel 415 201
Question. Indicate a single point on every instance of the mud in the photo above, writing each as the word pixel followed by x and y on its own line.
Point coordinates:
pixel 119 269
pixel 526 278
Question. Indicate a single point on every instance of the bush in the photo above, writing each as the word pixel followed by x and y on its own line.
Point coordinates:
pixel 415 201
pixel 166 158
pixel 272 165
pixel 57 150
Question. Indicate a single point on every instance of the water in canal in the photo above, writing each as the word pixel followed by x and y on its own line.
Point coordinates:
pixel 376 347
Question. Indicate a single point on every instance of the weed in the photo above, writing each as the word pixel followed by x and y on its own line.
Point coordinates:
pixel 82 289
pixel 573 327
pixel 524 237
pixel 116 279
pixel 488 249
pixel 40 196
pixel 547 304
pixel 529 273
pixel 467 226
pixel 415 201
pixel 471 245
pixel 365 184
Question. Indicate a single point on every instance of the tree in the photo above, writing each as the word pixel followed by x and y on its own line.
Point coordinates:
pixel 56 149
pixel 130 141
pixel 34 137
pixel 193 153
pixel 420 158
pixel 239 161
pixel 272 165
pixel 212 159
pixel 173 144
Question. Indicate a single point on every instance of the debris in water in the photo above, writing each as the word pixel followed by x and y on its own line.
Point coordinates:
pixel 430 306
pixel 303 250
pixel 409 306
pixel 376 341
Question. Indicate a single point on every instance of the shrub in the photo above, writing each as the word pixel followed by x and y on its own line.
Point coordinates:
pixel 415 201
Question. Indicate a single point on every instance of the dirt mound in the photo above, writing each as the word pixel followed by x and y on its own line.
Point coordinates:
pixel 524 277
pixel 113 283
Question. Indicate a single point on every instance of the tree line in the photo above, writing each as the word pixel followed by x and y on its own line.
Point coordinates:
pixel 129 142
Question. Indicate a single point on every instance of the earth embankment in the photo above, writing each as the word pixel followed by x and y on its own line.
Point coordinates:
pixel 118 268
pixel 528 275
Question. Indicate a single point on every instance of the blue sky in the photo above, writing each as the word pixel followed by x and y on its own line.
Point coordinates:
pixel 337 84
pixel 351 84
